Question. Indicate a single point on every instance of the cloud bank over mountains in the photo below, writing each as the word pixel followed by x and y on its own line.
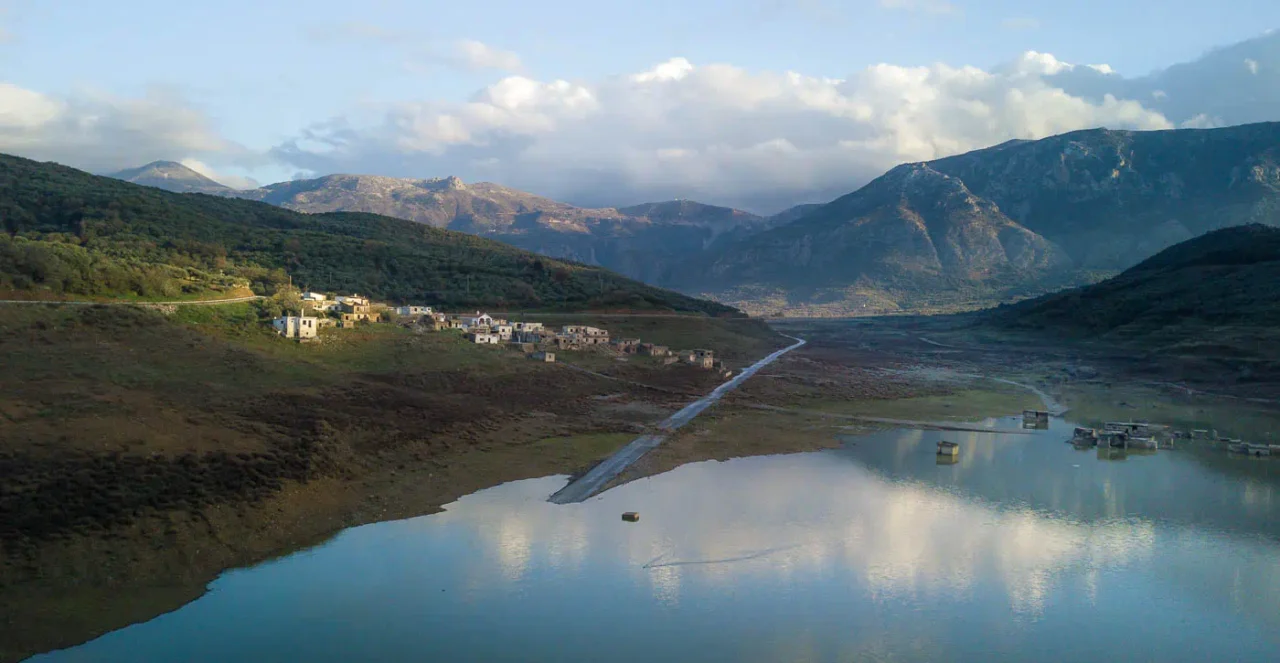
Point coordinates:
pixel 714 132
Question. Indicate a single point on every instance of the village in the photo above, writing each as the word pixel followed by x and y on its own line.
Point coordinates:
pixel 534 339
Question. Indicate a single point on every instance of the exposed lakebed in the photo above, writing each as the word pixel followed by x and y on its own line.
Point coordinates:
pixel 1025 549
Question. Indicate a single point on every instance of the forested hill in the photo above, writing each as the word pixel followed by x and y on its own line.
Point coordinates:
pixel 1210 287
pixel 69 233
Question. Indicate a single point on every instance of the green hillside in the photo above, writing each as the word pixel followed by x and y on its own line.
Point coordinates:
pixel 1215 294
pixel 72 234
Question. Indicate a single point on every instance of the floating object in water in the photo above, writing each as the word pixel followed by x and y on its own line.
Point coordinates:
pixel 1084 437
pixel 1036 419
pixel 1142 443
pixel 631 516
pixel 1249 449
pixel 948 449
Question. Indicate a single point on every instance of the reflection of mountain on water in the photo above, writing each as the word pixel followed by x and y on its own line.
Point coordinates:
pixel 1041 472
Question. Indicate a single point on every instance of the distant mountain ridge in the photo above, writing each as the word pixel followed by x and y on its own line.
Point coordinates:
pixel 69 233
pixel 645 242
pixel 171 176
pixel 1017 219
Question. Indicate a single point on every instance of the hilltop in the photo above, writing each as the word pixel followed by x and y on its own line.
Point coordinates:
pixel 1205 292
pixel 72 233
pixel 171 176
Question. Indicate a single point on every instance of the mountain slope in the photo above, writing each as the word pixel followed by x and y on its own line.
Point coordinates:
pixel 1112 198
pixel 644 241
pixel 171 176
pixel 1020 218
pixel 912 232
pixel 71 232
pixel 1227 278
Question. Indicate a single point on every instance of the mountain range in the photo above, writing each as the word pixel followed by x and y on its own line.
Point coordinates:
pixel 1003 222
pixel 69 233
pixel 645 242
pixel 1010 221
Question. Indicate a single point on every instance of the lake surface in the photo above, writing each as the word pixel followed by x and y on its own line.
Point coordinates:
pixel 1025 549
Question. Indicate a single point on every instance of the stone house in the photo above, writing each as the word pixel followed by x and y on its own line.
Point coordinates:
pixel 587 335
pixel 627 345
pixel 296 327
pixel 699 358
pixel 654 350
pixel 526 326
pixel 549 357
pixel 356 300
pixel 528 335
pixel 483 338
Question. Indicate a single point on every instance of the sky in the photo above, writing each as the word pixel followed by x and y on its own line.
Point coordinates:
pixel 757 103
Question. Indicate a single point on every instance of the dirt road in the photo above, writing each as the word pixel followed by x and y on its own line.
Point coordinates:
pixel 600 475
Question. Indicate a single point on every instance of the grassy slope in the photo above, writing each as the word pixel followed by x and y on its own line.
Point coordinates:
pixel 1213 295
pixel 71 232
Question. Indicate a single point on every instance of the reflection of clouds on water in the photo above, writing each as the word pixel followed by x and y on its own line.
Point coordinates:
pixel 873 553
pixel 818 514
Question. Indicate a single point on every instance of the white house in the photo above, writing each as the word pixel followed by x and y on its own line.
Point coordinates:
pixel 413 310
pixel 355 300
pixel 503 331
pixel 479 320
pixel 313 297
pixel 527 326
pixel 296 326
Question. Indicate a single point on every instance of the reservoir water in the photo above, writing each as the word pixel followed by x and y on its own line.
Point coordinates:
pixel 1024 549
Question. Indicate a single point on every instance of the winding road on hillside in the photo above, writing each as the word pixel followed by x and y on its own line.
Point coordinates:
pixel 600 475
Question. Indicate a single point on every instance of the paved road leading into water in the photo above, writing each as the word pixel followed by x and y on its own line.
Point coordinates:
pixel 600 475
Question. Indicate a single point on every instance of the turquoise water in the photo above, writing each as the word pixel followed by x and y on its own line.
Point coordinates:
pixel 1026 549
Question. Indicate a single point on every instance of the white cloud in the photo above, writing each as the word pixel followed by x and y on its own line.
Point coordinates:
pixel 1020 23
pixel 1201 121
pixel 477 55
pixel 228 179
pixel 100 132
pixel 922 6
pixel 1251 65
pixel 715 132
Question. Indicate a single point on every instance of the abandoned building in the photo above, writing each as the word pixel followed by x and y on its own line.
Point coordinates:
pixel 549 357
pixel 296 327
pixel 654 350
pixel 483 338
pixel 627 345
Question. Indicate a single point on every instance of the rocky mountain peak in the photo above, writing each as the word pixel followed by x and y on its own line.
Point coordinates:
pixel 170 176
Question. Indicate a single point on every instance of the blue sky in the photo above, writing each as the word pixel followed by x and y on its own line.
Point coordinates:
pixel 259 72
